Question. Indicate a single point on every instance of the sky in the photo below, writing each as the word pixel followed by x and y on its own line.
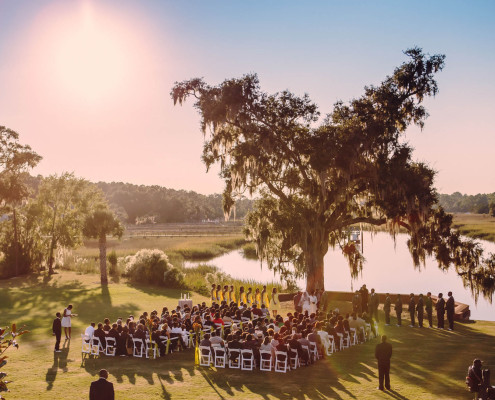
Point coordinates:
pixel 87 83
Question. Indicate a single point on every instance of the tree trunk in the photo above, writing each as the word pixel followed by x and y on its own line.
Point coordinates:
pixel 317 247
pixel 102 241
pixel 315 268
pixel 52 243
pixel 16 242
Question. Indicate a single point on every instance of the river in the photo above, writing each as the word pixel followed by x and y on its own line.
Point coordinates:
pixel 388 268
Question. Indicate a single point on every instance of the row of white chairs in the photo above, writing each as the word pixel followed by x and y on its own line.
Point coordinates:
pixel 243 359
pixel 147 348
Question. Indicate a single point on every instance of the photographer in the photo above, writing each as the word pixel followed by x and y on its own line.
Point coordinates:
pixel 478 381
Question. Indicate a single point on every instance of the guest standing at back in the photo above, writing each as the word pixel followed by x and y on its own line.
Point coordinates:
pixel 101 389
pixel 440 307
pixel 383 353
pixel 450 308
pixel 57 331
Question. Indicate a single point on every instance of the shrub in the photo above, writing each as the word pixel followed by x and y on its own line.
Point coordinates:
pixel 153 266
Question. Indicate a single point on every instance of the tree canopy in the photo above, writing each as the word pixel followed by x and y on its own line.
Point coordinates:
pixel 316 179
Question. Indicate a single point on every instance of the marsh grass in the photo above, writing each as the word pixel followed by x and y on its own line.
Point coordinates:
pixel 478 226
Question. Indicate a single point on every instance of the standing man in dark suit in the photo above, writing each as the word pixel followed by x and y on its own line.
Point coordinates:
pixel 450 308
pixel 412 310
pixel 383 353
pixel 101 389
pixel 398 310
pixel 420 308
pixel 440 307
pixel 57 331
pixel 429 309
pixel 386 309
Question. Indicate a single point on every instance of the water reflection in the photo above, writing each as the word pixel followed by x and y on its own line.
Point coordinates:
pixel 388 268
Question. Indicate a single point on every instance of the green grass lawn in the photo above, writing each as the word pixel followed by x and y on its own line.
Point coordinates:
pixel 427 364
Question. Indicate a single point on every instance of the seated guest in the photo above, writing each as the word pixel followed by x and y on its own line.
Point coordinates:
pixel 155 336
pixel 100 334
pixel 252 344
pixel 112 333
pixel 122 342
pixel 216 339
pixel 208 322
pixel 90 330
pixel 295 345
pixel 315 338
pixel 176 332
pixel 264 310
pixel 106 325
pixel 140 334
pixel 305 342
pixel 256 312
pixel 283 348
pixel 206 341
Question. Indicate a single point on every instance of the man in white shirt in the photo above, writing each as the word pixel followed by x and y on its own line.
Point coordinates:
pixel 90 330
pixel 215 339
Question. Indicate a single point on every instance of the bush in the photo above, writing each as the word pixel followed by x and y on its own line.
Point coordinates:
pixel 153 266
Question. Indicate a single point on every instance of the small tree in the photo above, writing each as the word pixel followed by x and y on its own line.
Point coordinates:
pixel 15 160
pixel 492 209
pixel 100 223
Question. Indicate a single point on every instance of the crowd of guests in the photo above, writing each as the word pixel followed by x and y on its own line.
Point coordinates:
pixel 234 325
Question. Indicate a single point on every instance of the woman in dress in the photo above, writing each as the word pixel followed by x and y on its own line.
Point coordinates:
pixel 249 296
pixel 257 297
pixel 232 294
pixel 242 296
pixel 66 320
pixel 274 303
pixel 264 297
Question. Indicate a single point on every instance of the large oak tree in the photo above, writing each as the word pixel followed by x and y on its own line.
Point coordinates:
pixel 316 179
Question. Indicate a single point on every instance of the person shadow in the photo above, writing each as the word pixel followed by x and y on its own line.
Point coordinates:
pixel 59 362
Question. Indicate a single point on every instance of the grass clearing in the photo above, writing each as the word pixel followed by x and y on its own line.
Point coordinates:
pixel 427 364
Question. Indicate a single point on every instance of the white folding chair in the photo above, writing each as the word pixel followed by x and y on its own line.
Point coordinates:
pixel 354 340
pixel 247 360
pixel 204 356
pixel 314 350
pixel 265 360
pixel 368 331
pixel 280 361
pixel 376 329
pixel 151 349
pixel 234 358
pixel 347 341
pixel 294 358
pixel 85 345
pixel 219 357
pixel 96 346
pixel 341 340
pixel 138 347
pixel 363 333
pixel 111 346
pixel 306 349
pixel 331 348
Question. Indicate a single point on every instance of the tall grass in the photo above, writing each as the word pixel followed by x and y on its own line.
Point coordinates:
pixel 200 278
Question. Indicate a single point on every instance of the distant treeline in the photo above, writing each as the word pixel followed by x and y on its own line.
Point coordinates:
pixel 148 204
pixel 479 203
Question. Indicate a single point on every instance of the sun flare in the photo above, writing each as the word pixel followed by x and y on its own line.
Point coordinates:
pixel 89 55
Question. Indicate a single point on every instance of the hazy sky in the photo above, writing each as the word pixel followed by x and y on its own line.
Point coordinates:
pixel 87 83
